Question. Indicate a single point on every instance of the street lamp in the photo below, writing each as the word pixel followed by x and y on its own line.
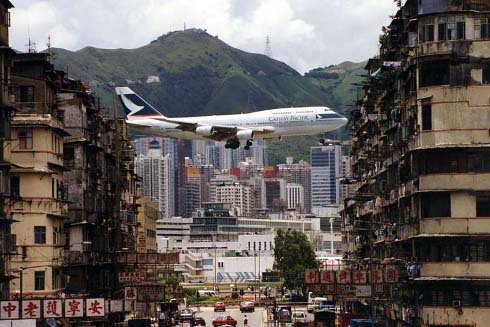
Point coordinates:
pixel 20 271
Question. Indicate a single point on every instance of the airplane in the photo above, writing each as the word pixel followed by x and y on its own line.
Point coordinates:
pixel 233 128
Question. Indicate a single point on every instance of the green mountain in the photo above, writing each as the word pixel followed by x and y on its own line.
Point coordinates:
pixel 191 73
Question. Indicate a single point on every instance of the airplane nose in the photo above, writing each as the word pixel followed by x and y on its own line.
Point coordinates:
pixel 344 121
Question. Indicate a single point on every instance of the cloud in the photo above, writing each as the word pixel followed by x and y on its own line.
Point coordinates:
pixel 305 33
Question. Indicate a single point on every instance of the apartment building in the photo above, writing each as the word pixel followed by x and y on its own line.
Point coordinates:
pixel 7 239
pixel 421 159
pixel 298 173
pixel 295 194
pixel 37 178
pixel 148 215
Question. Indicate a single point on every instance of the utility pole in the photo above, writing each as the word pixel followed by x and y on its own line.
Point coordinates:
pixel 373 310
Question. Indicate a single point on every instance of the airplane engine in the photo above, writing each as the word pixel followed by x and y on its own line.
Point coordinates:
pixel 245 134
pixel 205 130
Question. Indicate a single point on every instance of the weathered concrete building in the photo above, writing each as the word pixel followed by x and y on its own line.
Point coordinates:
pixel 7 239
pixel 147 225
pixel 421 158
pixel 37 178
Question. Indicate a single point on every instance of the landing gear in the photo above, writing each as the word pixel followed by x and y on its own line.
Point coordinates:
pixel 322 141
pixel 248 145
pixel 232 144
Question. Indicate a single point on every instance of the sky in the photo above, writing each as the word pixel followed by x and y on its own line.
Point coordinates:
pixel 305 34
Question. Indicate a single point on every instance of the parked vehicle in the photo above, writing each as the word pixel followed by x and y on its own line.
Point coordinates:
pixel 316 303
pixel 299 316
pixel 223 321
pixel 284 314
pixel 208 293
pixel 219 306
pixel 248 306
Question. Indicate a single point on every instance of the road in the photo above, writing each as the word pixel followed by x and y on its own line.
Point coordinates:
pixel 255 319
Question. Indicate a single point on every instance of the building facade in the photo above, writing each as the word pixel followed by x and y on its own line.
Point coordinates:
pixel 325 175
pixel 421 153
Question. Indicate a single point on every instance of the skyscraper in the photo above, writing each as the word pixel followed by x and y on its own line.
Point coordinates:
pixel 157 177
pixel 325 173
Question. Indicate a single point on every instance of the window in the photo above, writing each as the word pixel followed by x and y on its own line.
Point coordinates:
pixel 39 279
pixel 26 94
pixel 221 264
pixel 486 73
pixel 434 73
pixel 39 234
pixel 15 186
pixel 483 206
pixel 69 158
pixel 427 33
pixel 436 205
pixel 482 28
pixel 426 116
pixel 441 31
pixel 461 31
pixel 25 138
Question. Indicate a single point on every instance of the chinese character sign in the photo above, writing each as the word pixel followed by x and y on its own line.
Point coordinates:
pixel 327 277
pixel 73 308
pixel 9 310
pixel 391 275
pixel 344 277
pixel 130 293
pixel 31 309
pixel 377 276
pixel 52 308
pixel 359 277
pixel 95 307
pixel 311 276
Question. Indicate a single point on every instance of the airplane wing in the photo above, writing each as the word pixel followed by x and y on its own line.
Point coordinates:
pixel 135 124
pixel 221 132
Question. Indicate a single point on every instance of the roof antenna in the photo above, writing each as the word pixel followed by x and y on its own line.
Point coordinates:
pixel 31 46
pixel 51 53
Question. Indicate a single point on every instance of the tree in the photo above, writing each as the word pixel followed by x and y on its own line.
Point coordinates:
pixel 293 254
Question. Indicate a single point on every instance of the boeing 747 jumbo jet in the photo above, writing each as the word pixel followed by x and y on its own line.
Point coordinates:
pixel 273 123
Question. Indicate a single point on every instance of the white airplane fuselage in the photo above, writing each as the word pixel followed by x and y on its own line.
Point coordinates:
pixel 281 122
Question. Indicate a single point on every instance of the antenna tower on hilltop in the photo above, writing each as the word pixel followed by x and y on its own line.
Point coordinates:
pixel 268 49
pixel 31 46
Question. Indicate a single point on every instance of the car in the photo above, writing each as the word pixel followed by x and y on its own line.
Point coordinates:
pixel 199 322
pixel 247 306
pixel 219 306
pixel 224 320
pixel 299 316
pixel 186 315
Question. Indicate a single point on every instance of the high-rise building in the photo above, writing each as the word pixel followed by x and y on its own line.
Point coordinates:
pixel 298 173
pixel 274 194
pixel 240 196
pixel 421 159
pixel 346 189
pixel 296 196
pixel 325 174
pixel 157 177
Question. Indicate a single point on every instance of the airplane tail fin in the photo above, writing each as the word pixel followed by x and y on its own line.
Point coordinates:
pixel 134 106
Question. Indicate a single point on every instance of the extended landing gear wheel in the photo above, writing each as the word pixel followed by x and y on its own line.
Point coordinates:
pixel 246 147
pixel 249 143
pixel 232 144
pixel 322 141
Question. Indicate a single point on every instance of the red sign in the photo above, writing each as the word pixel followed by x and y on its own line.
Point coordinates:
pixel 359 277
pixel 311 276
pixel 9 310
pixel 52 308
pixel 391 275
pixel 73 308
pixel 344 277
pixel 31 309
pixel 377 276
pixel 327 277
pixel 95 307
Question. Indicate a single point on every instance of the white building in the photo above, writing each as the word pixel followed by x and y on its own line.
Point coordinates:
pixel 172 233
pixel 238 195
pixel 157 177
pixel 295 195
pixel 325 175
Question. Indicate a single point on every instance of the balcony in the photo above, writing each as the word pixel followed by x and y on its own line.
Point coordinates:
pixel 454 269
pixel 8 245
pixel 470 225
pixel 462 181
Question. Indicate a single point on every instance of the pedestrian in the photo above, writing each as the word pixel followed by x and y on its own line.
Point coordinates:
pixel 245 321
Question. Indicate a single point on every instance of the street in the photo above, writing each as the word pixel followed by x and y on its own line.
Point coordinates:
pixel 255 319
